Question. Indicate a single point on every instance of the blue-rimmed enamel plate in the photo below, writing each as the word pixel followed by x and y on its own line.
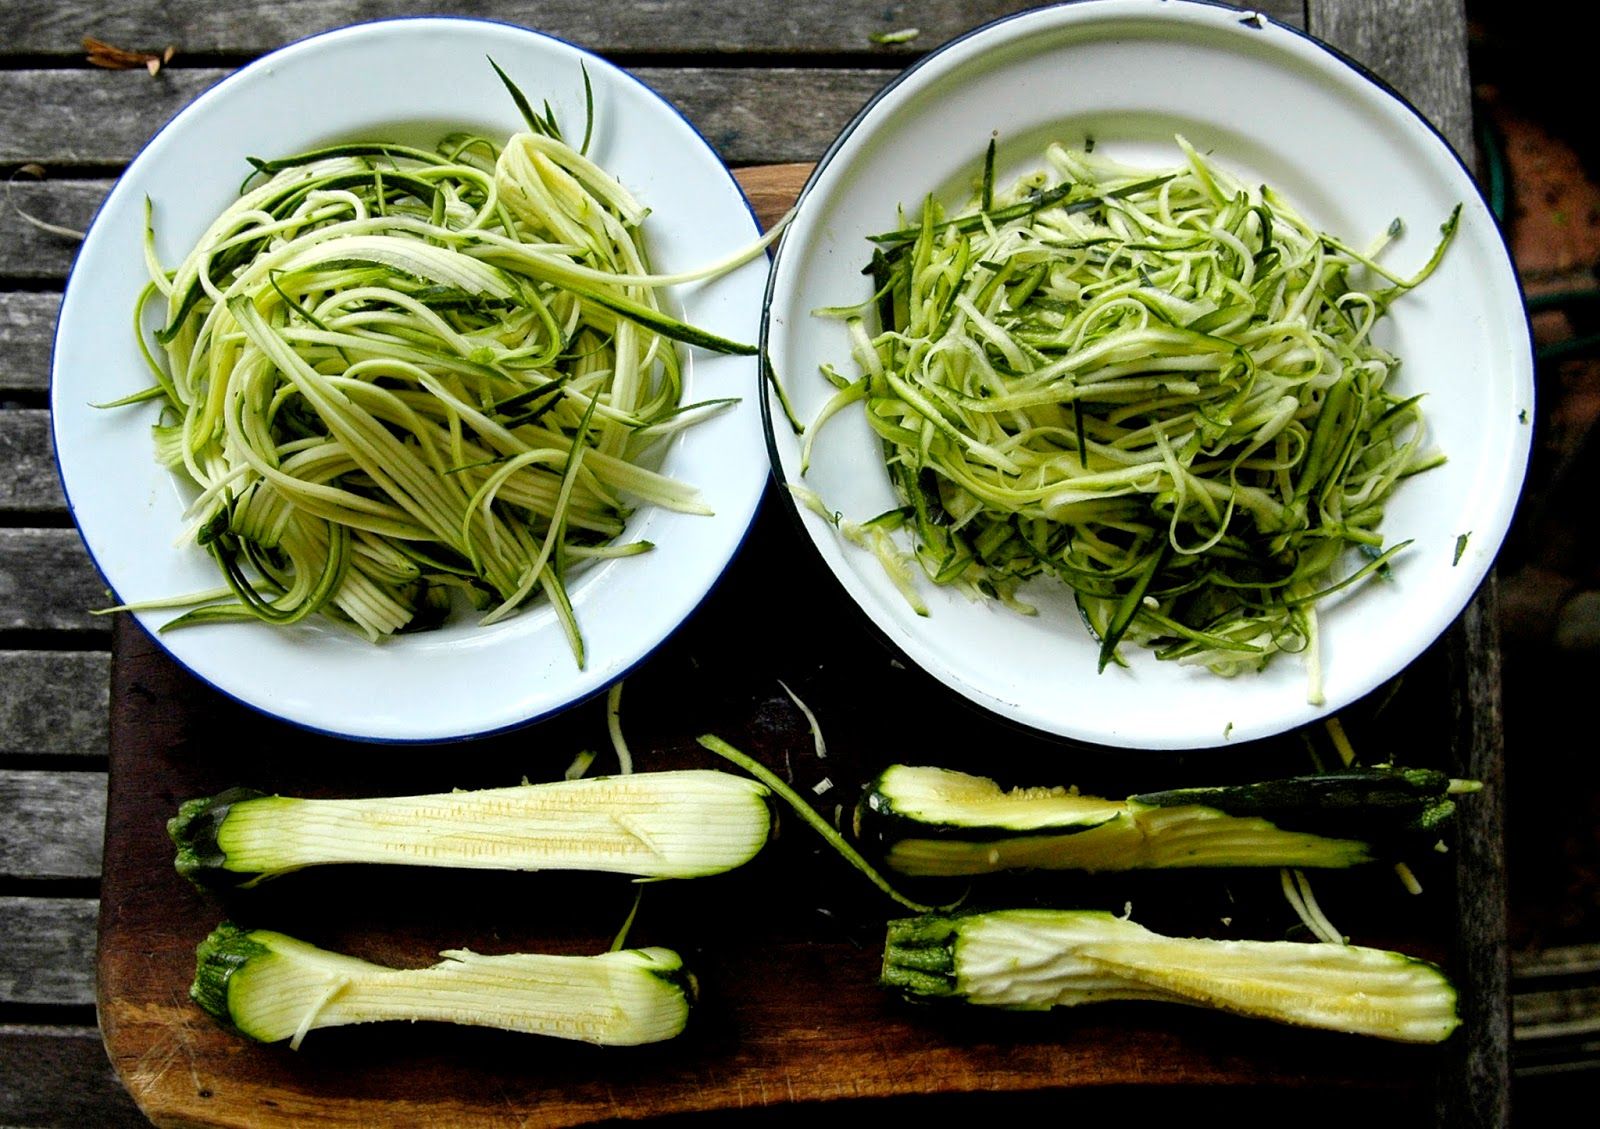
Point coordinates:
pixel 1274 107
pixel 409 80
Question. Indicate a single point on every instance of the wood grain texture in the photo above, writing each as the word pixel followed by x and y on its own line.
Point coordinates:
pixel 33 255
pixel 30 484
pixel 1477 1092
pixel 47 950
pixel 27 328
pixel 51 824
pixel 55 1076
pixel 771 189
pixel 787 950
pixel 54 703
pixel 69 117
pixel 47 582
pixel 1418 46
pixel 66 118
pixel 628 26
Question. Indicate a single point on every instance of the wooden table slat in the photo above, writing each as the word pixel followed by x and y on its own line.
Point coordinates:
pixel 1418 44
pixel 31 484
pixel 48 583
pixel 30 254
pixel 732 108
pixel 47 950
pixel 27 330
pixel 60 1076
pixel 54 703
pixel 820 27
pixel 69 118
pixel 51 824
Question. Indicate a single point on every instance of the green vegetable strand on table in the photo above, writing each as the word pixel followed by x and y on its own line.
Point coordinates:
pixel 677 824
pixel 398 376
pixel 1160 389
pixel 1034 960
pixel 938 822
pixel 271 987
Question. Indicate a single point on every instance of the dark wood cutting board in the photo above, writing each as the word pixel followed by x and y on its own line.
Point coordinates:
pixel 786 950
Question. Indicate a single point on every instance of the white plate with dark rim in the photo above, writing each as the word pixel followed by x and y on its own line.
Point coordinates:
pixel 1275 107
pixel 366 81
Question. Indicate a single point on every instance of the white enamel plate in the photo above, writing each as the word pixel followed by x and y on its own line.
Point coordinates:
pixel 410 81
pixel 1276 108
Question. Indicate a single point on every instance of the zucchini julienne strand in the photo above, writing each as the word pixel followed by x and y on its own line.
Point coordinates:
pixel 679 824
pixel 397 374
pixel 808 815
pixel 271 987
pixel 1033 960
pixel 1161 390
pixel 934 821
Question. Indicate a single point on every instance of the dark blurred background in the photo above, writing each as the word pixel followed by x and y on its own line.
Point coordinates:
pixel 1540 159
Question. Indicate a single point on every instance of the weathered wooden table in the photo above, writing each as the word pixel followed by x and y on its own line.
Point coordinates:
pixel 736 69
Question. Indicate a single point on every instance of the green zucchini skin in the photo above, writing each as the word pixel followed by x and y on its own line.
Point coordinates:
pixel 886 814
pixel 1041 959
pixel 919 959
pixel 683 824
pixel 933 821
pixel 271 987
pixel 225 951
pixel 194 831
pixel 1381 804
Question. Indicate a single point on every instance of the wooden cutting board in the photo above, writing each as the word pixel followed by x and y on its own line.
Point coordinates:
pixel 786 950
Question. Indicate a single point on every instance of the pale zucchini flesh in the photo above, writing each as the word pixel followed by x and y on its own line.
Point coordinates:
pixel 272 987
pixel 681 824
pixel 941 797
pixel 937 822
pixel 1034 960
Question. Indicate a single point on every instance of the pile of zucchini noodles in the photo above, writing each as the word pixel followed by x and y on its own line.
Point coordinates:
pixel 399 374
pixel 1160 388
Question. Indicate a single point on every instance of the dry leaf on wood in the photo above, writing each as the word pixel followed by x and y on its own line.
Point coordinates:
pixel 102 54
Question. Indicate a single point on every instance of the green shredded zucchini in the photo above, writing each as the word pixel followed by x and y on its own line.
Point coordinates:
pixel 1160 389
pixel 410 380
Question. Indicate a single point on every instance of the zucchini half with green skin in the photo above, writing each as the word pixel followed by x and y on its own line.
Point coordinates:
pixel 934 821
pixel 683 824
pixel 270 987
pixel 1034 960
